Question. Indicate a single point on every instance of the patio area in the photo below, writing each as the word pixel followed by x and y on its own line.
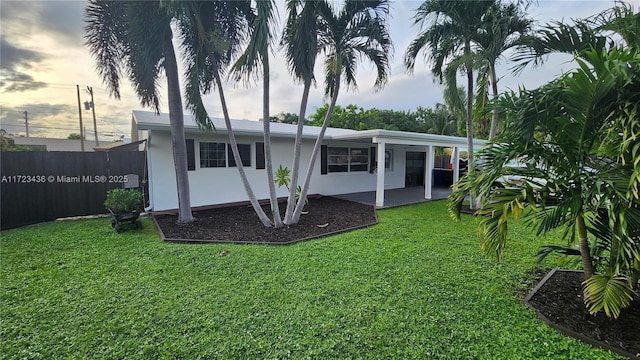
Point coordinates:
pixel 398 197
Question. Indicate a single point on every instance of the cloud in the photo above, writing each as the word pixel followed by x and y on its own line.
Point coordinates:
pixel 15 81
pixel 43 118
pixel 62 20
pixel 13 57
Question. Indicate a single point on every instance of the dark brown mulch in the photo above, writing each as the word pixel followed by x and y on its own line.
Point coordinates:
pixel 560 301
pixel 240 224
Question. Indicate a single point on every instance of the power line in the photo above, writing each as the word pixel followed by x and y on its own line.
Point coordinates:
pixel 31 126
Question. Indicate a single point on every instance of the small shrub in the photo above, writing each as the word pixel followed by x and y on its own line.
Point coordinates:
pixel 123 200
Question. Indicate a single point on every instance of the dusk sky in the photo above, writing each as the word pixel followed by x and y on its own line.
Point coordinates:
pixel 43 58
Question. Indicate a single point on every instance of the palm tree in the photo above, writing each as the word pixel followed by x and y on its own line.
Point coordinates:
pixel 451 32
pixel 442 121
pixel 300 40
pixel 454 99
pixel 212 32
pixel 576 135
pixel 358 30
pixel 504 25
pixel 136 37
pixel 257 53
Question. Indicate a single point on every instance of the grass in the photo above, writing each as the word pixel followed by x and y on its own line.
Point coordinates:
pixel 414 286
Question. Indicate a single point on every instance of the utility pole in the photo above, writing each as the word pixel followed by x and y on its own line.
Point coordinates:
pixel 93 110
pixel 26 122
pixel 80 117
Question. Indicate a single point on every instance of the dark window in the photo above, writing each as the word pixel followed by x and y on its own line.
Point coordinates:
pixel 191 154
pixel 338 159
pixel 260 155
pixel 245 155
pixel 212 155
pixel 359 159
pixel 388 159
pixel 323 159
pixel 344 159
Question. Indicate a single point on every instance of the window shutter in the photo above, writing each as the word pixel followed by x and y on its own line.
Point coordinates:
pixel 323 159
pixel 260 160
pixel 191 155
pixel 373 153
pixel 245 155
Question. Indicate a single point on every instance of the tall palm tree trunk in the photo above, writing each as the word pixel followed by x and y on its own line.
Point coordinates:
pixel 176 120
pixel 494 89
pixel 295 168
pixel 316 150
pixel 236 156
pixel 585 253
pixel 266 124
pixel 468 65
pixel 474 198
pixel 232 138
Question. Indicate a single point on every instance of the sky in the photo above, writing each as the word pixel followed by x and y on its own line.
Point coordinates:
pixel 44 61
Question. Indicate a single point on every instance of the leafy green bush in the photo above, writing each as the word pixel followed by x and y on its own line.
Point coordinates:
pixel 282 177
pixel 123 200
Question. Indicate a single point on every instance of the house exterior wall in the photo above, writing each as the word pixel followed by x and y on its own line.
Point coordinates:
pixel 212 186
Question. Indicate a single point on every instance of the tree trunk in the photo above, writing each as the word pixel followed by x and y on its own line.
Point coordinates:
pixel 176 120
pixel 585 253
pixel 266 122
pixel 316 150
pixel 236 156
pixel 295 169
pixel 474 198
pixel 635 276
pixel 494 89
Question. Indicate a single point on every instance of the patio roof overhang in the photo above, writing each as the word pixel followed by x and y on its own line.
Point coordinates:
pixel 427 141
pixel 379 136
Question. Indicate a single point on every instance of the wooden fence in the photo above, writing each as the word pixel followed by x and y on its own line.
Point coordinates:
pixel 44 186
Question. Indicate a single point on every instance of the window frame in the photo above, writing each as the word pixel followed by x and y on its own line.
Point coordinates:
pixel 206 161
pixel 388 161
pixel 245 155
pixel 348 159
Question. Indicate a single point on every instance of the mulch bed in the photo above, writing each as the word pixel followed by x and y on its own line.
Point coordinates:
pixel 240 224
pixel 559 300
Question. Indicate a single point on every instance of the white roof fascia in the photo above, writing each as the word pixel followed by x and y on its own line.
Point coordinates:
pixel 411 138
pixel 146 120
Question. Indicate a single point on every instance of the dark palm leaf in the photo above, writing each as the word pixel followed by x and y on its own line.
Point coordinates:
pixel 106 40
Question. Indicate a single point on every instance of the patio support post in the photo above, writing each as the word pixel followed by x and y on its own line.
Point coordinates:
pixel 455 160
pixel 380 176
pixel 428 177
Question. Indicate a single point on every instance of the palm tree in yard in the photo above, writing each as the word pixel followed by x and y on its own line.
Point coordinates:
pixel 452 27
pixel 300 40
pixel 579 138
pixel 136 38
pixel 257 53
pixel 212 32
pixel 358 30
pixel 504 24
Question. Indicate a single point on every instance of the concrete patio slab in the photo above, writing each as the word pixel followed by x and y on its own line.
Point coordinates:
pixel 397 197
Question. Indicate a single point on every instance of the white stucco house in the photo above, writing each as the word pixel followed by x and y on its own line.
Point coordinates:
pixel 347 164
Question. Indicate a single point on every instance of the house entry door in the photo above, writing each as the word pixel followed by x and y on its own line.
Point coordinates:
pixel 414 175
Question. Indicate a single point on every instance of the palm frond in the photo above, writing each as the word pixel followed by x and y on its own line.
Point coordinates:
pixel 258 47
pixel 300 38
pixel 610 293
pixel 106 41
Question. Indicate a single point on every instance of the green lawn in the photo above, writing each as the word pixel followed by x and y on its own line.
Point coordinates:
pixel 414 286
